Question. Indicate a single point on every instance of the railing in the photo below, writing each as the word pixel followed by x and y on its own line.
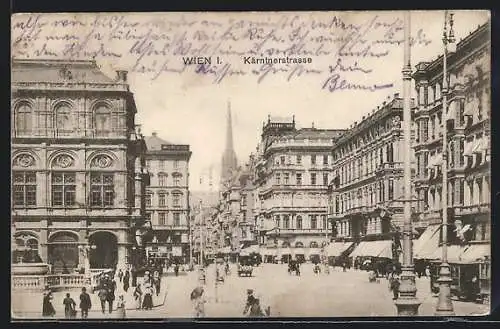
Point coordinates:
pixel 472 209
pixel 37 282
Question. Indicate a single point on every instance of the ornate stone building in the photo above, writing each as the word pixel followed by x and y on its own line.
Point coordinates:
pixel 167 198
pixel 367 187
pixel 291 176
pixel 469 157
pixel 77 165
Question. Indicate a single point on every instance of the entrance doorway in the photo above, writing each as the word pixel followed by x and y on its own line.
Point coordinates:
pixel 104 251
pixel 63 252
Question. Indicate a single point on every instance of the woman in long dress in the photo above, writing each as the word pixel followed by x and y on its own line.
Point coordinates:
pixel 147 303
pixel 47 307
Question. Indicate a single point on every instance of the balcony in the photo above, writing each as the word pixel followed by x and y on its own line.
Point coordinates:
pixel 472 209
pixel 286 231
pixel 387 167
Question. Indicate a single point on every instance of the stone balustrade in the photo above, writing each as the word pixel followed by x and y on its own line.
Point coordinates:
pixel 37 282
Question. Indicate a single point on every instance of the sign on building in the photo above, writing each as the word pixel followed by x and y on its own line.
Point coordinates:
pixel 176 251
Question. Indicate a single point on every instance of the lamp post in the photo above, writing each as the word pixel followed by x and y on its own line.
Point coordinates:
pixel 407 304
pixel 444 306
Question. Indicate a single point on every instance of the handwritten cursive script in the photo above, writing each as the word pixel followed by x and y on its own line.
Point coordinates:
pixel 343 48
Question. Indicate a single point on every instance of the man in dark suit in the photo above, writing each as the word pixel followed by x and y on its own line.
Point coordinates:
pixel 85 303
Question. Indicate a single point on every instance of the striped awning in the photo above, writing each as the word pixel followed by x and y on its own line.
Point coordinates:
pixel 381 248
pixel 427 243
pixel 337 248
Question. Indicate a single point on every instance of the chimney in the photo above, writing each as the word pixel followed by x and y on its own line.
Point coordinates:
pixel 396 95
pixel 363 117
pixel 154 134
pixel 383 104
pixel 121 75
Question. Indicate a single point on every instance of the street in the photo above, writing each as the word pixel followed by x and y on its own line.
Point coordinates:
pixel 339 294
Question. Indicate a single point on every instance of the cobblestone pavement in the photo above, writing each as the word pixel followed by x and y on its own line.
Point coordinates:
pixel 310 295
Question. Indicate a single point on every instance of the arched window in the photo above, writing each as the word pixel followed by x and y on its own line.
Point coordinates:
pixel 102 120
pixel 313 244
pixel 64 122
pixel 23 119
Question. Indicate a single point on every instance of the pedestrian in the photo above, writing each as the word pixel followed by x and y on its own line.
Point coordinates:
pixel 126 280
pixel 111 295
pixel 394 285
pixel 120 275
pixel 198 299
pixel 69 307
pixel 134 277
pixel 47 307
pixel 250 301
pixel 176 269
pixel 255 309
pixel 147 303
pixel 103 296
pixel 427 271
pixel 85 303
pixel 157 282
pixel 138 296
pixel 120 308
pixel 344 266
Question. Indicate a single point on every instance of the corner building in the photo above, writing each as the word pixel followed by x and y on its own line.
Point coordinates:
pixel 291 178
pixel 167 199
pixel 77 164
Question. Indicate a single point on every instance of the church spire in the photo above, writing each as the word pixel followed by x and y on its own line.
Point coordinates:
pixel 229 160
pixel 229 129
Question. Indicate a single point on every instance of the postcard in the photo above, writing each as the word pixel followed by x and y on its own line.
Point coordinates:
pixel 250 165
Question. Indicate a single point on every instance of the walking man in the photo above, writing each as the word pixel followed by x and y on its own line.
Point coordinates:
pixel 85 303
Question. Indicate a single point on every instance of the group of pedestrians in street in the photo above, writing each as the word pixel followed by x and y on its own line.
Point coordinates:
pixel 69 303
pixel 143 293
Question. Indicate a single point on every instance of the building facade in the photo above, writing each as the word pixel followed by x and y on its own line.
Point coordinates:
pixel 167 199
pixel 291 178
pixel 469 157
pixel 78 175
pixel 367 187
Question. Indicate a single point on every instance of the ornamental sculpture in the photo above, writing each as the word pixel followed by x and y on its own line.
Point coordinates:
pixel 24 160
pixel 63 161
pixel 101 161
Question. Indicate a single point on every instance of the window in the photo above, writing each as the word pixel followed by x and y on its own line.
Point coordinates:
pixel 391 189
pixel 161 200
pixel 177 179
pixel 325 159
pixel 299 222
pixel 177 219
pixel 277 220
pixel 390 152
pixel 148 217
pixel 282 159
pixel 325 179
pixel 63 189
pixel 323 221
pixel 460 151
pixel 299 159
pixel 162 179
pixel 278 178
pixel 287 178
pixel 313 159
pixel 23 118
pixel 176 164
pixel 161 164
pixel 286 221
pixel 382 191
pixel 24 189
pixel 424 130
pixel 64 122
pixel 299 178
pixel 313 178
pixel 176 198
pixel 162 219
pixel 101 190
pixel 149 198
pixel 102 121
pixel 314 222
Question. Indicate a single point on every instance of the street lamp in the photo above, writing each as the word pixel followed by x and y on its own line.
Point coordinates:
pixel 407 304
pixel 444 306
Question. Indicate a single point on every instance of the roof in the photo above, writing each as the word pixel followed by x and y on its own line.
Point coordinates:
pixel 154 142
pixel 319 133
pixel 57 71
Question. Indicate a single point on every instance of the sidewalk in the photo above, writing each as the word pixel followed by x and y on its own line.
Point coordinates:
pixel 29 305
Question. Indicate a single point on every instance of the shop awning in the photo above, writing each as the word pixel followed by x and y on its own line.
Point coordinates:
pixel 337 248
pixel 251 249
pixel 454 254
pixel 427 243
pixel 314 251
pixel 298 251
pixel 225 250
pixel 284 251
pixel 476 252
pixel 382 249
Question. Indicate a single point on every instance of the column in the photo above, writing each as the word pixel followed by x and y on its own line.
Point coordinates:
pixel 467 191
pixel 486 190
pixel 42 242
pixel 122 256
pixel 41 191
pixel 81 184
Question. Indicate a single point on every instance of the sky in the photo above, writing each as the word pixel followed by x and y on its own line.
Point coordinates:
pixel 187 109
